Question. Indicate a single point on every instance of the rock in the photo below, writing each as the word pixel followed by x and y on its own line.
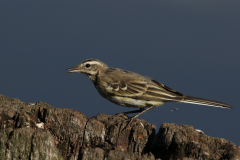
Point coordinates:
pixel 39 131
pixel 179 142
pixel 26 143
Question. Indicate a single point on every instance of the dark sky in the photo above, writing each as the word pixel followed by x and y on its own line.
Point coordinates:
pixel 190 46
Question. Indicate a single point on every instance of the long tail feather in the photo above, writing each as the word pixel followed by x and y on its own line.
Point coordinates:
pixel 206 102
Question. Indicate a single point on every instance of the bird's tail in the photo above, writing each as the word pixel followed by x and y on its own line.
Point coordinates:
pixel 200 101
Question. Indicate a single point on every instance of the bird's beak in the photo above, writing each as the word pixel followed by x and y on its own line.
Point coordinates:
pixel 74 69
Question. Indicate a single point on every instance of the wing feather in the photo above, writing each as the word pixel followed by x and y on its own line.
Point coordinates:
pixel 145 90
pixel 167 88
pixel 158 91
pixel 131 88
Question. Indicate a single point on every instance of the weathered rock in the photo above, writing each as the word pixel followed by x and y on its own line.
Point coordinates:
pixel 26 143
pixel 179 142
pixel 39 131
pixel 92 153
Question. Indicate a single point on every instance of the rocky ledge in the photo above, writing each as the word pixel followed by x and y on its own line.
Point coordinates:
pixel 40 131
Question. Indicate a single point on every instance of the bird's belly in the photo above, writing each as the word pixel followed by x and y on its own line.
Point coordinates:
pixel 130 102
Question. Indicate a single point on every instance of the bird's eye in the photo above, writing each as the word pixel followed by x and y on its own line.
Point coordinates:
pixel 87 65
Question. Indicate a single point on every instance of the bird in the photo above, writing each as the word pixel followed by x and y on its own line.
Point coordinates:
pixel 130 89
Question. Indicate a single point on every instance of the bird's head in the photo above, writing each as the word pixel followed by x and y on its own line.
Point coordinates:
pixel 89 67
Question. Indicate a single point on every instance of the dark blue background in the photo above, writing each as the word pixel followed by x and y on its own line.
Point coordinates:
pixel 190 46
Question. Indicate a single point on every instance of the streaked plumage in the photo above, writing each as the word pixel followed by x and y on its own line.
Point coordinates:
pixel 131 89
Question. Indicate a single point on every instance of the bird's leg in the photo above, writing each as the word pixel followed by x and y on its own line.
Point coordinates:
pixel 130 112
pixel 135 111
pixel 139 114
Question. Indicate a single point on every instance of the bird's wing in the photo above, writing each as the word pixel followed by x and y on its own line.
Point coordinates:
pixel 123 83
pixel 167 89
pixel 140 89
pixel 158 91
pixel 129 88
pixel 129 84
